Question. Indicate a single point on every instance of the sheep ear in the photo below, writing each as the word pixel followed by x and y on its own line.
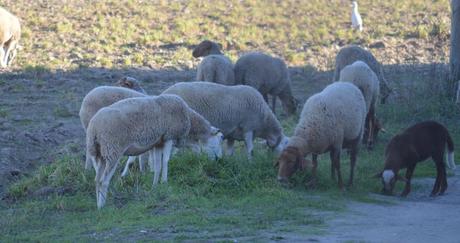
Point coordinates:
pixel 401 178
pixel 378 175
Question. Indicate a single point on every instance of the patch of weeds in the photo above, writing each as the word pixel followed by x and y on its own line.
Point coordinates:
pixel 62 111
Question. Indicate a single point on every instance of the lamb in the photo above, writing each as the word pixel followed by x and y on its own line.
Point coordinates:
pixel 132 127
pixel 365 79
pixel 10 33
pixel 414 145
pixel 349 54
pixel 268 75
pixel 215 67
pixel 240 112
pixel 330 120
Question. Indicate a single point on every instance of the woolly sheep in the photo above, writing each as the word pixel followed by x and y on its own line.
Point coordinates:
pixel 132 127
pixel 101 97
pixel 215 67
pixel 330 120
pixel 10 33
pixel 104 96
pixel 361 75
pixel 269 75
pixel 349 54
pixel 240 112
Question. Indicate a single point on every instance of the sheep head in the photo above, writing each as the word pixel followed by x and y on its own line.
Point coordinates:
pixel 130 83
pixel 206 48
pixel 290 161
pixel 389 178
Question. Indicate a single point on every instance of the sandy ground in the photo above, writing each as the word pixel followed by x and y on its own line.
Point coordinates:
pixel 418 218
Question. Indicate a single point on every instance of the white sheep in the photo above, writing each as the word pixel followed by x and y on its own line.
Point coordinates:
pixel 104 96
pixel 215 67
pixel 101 97
pixel 350 54
pixel 356 21
pixel 240 112
pixel 132 127
pixel 10 33
pixel 269 75
pixel 361 75
pixel 330 120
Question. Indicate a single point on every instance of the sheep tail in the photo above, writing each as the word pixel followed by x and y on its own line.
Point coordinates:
pixel 450 153
pixel 93 150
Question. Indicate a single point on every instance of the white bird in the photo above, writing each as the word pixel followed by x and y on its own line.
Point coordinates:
pixel 356 21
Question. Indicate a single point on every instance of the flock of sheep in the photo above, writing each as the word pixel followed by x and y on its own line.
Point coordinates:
pixel 230 102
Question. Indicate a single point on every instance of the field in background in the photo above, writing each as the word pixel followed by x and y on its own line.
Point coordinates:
pixel 159 34
pixel 73 46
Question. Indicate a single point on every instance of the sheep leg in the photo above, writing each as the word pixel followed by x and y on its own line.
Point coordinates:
pixel 142 158
pixel 332 168
pixel 335 157
pixel 370 137
pixel 155 161
pixel 7 53
pixel 89 162
pixel 229 150
pixel 440 173
pixel 248 137
pixel 166 155
pixel 353 153
pixel 274 104
pixel 99 168
pixel 407 187
pixel 312 183
pixel 2 57
pixel 104 182
pixel 130 160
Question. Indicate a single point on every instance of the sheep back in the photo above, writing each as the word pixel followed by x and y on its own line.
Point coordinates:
pixel 232 109
pixel 330 118
pixel 134 125
pixel 361 75
pixel 100 97
pixel 216 68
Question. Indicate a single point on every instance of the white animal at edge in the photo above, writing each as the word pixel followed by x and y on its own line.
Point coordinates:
pixel 356 21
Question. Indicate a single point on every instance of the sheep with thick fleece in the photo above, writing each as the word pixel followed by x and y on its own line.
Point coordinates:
pixel 350 54
pixel 330 120
pixel 100 97
pixel 131 127
pixel 215 67
pixel 361 75
pixel 240 112
pixel 10 33
pixel 269 75
pixel 104 96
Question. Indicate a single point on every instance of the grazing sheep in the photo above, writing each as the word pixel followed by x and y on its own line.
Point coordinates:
pixel 130 83
pixel 10 33
pixel 104 96
pixel 240 112
pixel 132 127
pixel 206 48
pixel 330 120
pixel 215 67
pixel 356 21
pixel 101 97
pixel 365 79
pixel 350 54
pixel 268 75
pixel 416 144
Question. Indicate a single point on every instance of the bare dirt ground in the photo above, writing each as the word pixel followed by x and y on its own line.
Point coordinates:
pixel 418 218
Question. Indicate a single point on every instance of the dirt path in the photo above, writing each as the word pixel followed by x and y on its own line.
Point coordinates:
pixel 419 218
